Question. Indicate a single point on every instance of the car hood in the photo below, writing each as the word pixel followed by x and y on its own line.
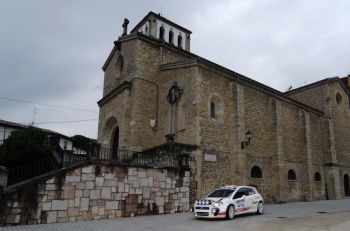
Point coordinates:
pixel 213 199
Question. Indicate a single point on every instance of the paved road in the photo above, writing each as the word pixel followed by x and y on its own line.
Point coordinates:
pixel 334 216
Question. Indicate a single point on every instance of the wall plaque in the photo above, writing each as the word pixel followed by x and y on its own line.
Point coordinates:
pixel 210 157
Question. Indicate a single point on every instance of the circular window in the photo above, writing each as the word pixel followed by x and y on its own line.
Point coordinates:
pixel 338 98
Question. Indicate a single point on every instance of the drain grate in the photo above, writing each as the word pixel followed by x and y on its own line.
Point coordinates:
pixel 281 217
pixel 322 212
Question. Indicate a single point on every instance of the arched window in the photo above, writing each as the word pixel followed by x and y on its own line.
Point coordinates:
pixel 317 176
pixel 216 108
pixel 146 30
pixel 179 41
pixel 292 175
pixel 212 110
pixel 171 37
pixel 338 98
pixel 256 172
pixel 161 33
pixel 119 66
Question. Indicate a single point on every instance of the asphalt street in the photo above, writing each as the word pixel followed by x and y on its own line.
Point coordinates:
pixel 333 215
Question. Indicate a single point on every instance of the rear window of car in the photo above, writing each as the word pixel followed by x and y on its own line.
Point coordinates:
pixel 221 193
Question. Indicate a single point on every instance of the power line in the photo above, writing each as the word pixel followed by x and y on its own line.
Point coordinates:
pixel 45 104
pixel 68 121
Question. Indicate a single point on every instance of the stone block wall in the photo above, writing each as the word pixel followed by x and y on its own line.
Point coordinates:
pixel 97 192
pixel 314 97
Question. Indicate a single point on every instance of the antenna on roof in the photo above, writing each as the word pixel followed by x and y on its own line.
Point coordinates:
pixel 161 11
pixel 290 88
pixel 34 115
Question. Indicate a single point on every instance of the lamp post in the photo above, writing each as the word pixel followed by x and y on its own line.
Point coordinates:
pixel 248 136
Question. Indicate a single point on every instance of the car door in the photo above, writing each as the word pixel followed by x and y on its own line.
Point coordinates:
pixel 250 196
pixel 256 197
pixel 240 201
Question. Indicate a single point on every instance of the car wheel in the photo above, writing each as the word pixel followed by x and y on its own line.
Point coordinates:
pixel 230 212
pixel 260 208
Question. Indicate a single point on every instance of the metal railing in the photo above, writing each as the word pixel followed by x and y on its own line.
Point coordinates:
pixel 31 170
pixel 70 159
pixel 120 156
pixel 169 155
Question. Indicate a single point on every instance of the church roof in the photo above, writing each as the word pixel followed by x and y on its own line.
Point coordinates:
pixel 318 83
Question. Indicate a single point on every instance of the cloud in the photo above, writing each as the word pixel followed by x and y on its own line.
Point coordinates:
pixel 53 51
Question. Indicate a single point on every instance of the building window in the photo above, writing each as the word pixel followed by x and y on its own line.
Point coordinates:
pixel 256 172
pixel 292 175
pixel 171 37
pixel 216 108
pixel 212 110
pixel 64 145
pixel 179 41
pixel 146 30
pixel 161 33
pixel 338 98
pixel 119 66
pixel 317 176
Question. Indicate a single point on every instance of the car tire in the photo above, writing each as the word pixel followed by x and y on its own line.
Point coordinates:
pixel 230 212
pixel 260 208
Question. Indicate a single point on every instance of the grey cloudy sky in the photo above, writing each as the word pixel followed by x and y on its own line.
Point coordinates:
pixel 51 52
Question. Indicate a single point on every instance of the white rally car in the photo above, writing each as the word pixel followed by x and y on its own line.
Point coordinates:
pixel 228 201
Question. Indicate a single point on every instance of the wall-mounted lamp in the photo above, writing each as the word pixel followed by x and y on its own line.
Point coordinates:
pixel 248 136
pixel 153 124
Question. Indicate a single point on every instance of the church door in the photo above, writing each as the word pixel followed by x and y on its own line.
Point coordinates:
pixel 346 185
pixel 115 143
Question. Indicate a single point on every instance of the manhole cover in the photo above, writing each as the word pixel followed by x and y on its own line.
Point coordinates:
pixel 281 217
pixel 322 212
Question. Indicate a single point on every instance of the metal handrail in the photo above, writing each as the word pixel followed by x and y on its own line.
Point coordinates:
pixel 164 156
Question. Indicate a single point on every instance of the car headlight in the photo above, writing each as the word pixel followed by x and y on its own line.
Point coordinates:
pixel 207 202
pixel 217 204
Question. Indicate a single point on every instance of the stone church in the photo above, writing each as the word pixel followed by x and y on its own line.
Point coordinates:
pixel 291 145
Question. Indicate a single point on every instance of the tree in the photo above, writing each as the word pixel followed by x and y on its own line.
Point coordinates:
pixel 24 146
pixel 84 143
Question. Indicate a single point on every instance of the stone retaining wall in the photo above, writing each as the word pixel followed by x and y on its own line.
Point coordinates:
pixel 97 192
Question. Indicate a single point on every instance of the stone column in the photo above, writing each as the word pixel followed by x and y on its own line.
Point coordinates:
pixel 240 156
pixel 308 187
pixel 278 174
pixel 332 168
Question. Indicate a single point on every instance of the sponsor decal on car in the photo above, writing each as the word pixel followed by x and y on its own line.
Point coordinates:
pixel 240 203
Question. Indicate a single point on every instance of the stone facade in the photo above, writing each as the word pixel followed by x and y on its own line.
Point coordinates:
pixel 97 192
pixel 300 138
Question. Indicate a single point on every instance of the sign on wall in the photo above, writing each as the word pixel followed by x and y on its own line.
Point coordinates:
pixel 210 157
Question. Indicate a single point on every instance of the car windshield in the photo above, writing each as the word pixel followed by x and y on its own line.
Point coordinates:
pixel 221 193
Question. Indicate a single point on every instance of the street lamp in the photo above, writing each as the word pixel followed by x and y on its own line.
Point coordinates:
pixel 248 136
